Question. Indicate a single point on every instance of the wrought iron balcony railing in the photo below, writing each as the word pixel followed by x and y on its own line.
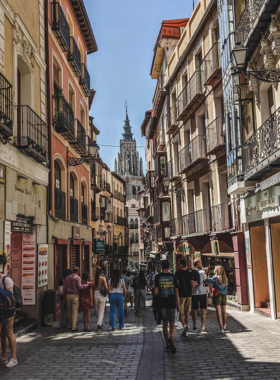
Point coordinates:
pixel 60 26
pixel 108 249
pixel 79 143
pixel 74 210
pixel 148 212
pixel 159 96
pixel 123 250
pixel 74 57
pixel 160 140
pixel 220 218
pixel 6 108
pixel 191 96
pixel 171 118
pixel 259 147
pixel 95 212
pixel 60 209
pixel 173 168
pixel 215 140
pixel 84 214
pixel 212 65
pixel 63 119
pixel 85 80
pixel 196 223
pixel 121 221
pixel 247 20
pixel 31 134
pixel 193 153
pixel 175 226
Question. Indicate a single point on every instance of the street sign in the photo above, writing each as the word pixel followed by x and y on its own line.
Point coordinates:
pixel 100 244
pixel 22 224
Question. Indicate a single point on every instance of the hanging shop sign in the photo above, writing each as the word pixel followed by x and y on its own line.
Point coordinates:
pixel 184 249
pixel 258 205
pixel 22 224
pixel 100 244
pixel 28 269
pixel 42 265
pixel 76 232
pixel 7 245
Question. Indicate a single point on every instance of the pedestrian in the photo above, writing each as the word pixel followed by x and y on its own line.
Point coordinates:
pixel 100 293
pixel 71 292
pixel 126 279
pixel 63 306
pixel 117 291
pixel 6 329
pixel 131 290
pixel 86 301
pixel 166 287
pixel 139 286
pixel 186 284
pixel 220 287
pixel 199 296
pixel 207 288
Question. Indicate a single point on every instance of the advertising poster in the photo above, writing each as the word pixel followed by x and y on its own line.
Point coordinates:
pixel 7 245
pixel 42 265
pixel 15 270
pixel 28 269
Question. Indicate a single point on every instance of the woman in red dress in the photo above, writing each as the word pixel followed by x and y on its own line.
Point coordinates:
pixel 86 301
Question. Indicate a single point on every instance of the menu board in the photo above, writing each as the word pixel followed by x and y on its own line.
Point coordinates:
pixel 42 265
pixel 28 269
pixel 15 270
pixel 7 244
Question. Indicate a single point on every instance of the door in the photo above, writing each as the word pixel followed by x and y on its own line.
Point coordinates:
pixel 61 266
pixel 86 259
pixel 259 268
pixel 75 262
pixel 275 241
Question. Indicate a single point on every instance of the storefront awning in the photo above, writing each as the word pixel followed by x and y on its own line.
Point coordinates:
pixel 221 254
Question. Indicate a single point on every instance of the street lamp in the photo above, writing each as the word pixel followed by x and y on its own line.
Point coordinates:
pixel 93 150
pixel 240 67
pixel 166 182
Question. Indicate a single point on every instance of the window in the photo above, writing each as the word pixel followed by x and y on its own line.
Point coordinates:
pixel 136 238
pixel 132 237
pixel 133 190
pixel 271 100
pixel 165 211
pixel 139 188
pixel 162 166
pixel 82 117
pixel 57 175
pixel 72 185
pixel 71 98
pixel 82 193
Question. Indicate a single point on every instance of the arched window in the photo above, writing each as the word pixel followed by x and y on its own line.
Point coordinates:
pixel 139 188
pixel 82 193
pixel 132 237
pixel 72 183
pixel 136 223
pixel 57 175
pixel 136 237
pixel 133 190
pixel 131 223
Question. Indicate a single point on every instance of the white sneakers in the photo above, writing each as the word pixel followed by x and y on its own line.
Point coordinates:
pixel 221 331
pixel 12 363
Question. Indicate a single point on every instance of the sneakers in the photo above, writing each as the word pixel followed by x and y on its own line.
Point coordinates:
pixel 100 327
pixel 172 347
pixel 74 331
pixel 221 331
pixel 3 361
pixel 195 329
pixel 167 348
pixel 12 363
pixel 185 332
pixel 225 326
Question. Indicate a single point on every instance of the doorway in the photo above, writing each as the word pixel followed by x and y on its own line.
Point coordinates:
pixel 275 242
pixel 86 259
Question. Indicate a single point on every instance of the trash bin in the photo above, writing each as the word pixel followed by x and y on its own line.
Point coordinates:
pixel 49 305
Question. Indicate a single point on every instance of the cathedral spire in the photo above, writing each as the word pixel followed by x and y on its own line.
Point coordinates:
pixel 127 135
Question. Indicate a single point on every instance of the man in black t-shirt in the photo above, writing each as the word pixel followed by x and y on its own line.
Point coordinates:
pixel 186 283
pixel 166 288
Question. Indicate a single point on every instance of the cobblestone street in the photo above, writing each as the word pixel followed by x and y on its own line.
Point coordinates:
pixel 249 350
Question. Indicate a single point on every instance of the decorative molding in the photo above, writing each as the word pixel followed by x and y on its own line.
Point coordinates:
pixel 266 51
pixel 274 35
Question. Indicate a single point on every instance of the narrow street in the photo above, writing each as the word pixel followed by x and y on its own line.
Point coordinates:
pixel 249 350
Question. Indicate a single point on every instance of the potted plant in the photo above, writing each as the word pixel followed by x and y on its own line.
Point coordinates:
pixel 3 261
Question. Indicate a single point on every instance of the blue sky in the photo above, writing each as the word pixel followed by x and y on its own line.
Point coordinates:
pixel 126 32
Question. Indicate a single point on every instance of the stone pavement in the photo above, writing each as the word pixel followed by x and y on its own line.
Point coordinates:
pixel 250 349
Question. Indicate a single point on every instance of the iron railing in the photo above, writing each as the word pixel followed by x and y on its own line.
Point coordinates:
pixel 247 20
pixel 192 153
pixel 196 223
pixel 175 226
pixel 214 136
pixel 63 119
pixel 108 249
pixel 6 107
pixel 95 212
pixel 79 143
pixel 173 168
pixel 60 26
pixel 188 96
pixel 31 134
pixel 73 209
pixel 171 118
pixel 212 64
pixel 264 142
pixel 121 221
pixel 85 80
pixel 84 214
pixel 220 218
pixel 123 250
pixel 74 57
pixel 59 201
pixel 148 212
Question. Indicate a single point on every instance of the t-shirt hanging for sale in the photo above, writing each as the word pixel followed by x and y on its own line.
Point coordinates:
pixel 166 283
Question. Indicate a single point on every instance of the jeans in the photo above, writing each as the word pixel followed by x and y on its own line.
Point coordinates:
pixel 116 304
pixel 100 303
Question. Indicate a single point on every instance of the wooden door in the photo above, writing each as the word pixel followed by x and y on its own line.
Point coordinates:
pixel 19 118
pixel 275 240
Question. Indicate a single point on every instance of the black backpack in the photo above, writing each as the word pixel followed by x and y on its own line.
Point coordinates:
pixel 7 305
pixel 196 276
pixel 16 294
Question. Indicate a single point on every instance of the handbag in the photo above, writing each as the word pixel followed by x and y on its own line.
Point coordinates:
pixel 103 291
pixel 215 291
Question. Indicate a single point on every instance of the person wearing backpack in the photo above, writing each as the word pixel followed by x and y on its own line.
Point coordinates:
pixel 199 296
pixel 6 327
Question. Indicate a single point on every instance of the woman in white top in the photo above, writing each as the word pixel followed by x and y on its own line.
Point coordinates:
pixel 117 296
pixel 99 299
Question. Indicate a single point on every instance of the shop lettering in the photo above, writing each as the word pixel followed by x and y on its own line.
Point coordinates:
pixel 23 191
pixel 262 205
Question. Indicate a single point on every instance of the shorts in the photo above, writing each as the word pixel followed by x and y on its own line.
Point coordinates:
pixel 127 298
pixel 201 298
pixel 131 292
pixel 168 315
pixel 220 299
pixel 186 304
pixel 8 324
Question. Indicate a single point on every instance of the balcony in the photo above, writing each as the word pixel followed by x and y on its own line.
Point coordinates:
pixel 6 107
pixel 212 66
pixel 74 58
pixel 150 179
pixel 192 96
pixel 261 152
pixel 148 213
pixel 79 144
pixel 108 249
pixel 31 134
pixel 74 210
pixel 172 123
pixel 193 154
pixel 60 27
pixel 59 201
pixel 220 218
pixel 84 214
pixel 159 97
pixel 173 169
pixel 63 120
pixel 215 139
pixel 175 227
pixel 85 80
pixel 196 223
pixel 160 141
pixel 121 221
pixel 123 250
pixel 95 212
